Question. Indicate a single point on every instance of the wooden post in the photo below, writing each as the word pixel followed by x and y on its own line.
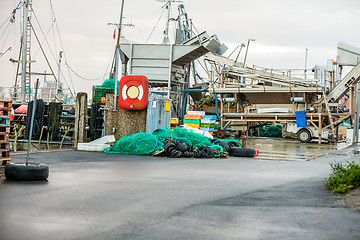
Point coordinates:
pixel 80 118
pixel 221 112
pixel 320 128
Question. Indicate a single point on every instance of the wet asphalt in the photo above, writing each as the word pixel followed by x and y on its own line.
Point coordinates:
pixel 109 196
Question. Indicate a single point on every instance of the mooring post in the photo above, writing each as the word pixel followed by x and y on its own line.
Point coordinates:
pixel 80 118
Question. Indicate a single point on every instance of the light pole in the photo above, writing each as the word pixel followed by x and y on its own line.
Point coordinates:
pixel 247 48
pixel 242 45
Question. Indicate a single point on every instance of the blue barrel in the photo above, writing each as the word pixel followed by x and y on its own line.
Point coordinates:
pixel 301 118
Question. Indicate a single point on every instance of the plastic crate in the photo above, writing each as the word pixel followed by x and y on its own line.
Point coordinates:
pixel 208 125
pixel 207 129
pixel 208 121
pixel 190 116
pixel 210 117
pixel 193 125
pixel 174 121
pixel 192 120
pixel 196 113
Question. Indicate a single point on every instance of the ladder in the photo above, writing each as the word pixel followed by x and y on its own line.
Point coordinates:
pixel 28 54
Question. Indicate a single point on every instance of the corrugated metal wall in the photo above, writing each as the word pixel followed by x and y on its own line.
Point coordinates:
pixel 157 117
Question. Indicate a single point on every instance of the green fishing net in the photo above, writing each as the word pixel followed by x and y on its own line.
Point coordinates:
pixel 272 131
pixel 146 143
pixel 108 84
pixel 136 144
pixel 184 135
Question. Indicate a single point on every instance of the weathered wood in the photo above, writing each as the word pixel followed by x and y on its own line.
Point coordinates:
pixel 80 118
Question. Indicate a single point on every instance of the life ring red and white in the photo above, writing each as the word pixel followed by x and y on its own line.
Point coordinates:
pixel 134 91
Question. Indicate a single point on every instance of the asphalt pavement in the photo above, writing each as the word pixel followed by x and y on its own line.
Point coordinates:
pixel 109 196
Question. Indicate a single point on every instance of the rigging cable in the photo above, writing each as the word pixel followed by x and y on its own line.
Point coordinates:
pixel 12 15
pixel 87 79
pixel 61 43
pixel 156 25
pixel 7 35
pixel 66 62
pixel 51 27
pixel 52 52
pixel 6 21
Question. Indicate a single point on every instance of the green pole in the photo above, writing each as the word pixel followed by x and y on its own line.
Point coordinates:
pixel 32 122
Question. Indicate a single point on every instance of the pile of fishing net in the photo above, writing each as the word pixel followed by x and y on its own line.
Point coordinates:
pixel 271 131
pixel 146 143
pixel 108 84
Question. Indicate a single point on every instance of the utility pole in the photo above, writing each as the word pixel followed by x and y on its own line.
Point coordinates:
pixel 168 7
pixel 306 55
pixel 117 59
pixel 166 33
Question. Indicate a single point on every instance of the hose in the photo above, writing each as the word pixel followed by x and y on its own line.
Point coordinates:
pixel 66 129
pixel 42 130
pixel 187 94
pixel 18 133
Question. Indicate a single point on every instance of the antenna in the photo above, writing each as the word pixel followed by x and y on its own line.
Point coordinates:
pixel 168 7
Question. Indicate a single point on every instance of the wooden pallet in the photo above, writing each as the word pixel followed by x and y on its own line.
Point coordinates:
pixel 4 161
pixel 5 112
pixel 5 129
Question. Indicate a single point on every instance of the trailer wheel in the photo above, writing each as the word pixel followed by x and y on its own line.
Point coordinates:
pixel 220 134
pixel 30 172
pixel 304 135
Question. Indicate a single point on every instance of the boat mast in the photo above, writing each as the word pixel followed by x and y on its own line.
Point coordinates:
pixel 58 92
pixel 26 58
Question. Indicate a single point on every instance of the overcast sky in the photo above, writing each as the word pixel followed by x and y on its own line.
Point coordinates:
pixel 283 29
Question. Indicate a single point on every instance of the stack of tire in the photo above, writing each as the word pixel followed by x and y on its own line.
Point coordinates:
pixel 177 149
pixel 235 150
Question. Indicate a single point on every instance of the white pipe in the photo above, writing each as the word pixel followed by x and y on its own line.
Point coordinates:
pixel 170 68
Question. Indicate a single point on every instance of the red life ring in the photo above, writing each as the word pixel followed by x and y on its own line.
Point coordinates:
pixel 133 92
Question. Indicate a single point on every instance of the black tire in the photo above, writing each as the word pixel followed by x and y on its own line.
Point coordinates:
pixel 182 147
pixel 30 172
pixel 175 153
pixel 224 145
pixel 168 147
pixel 233 144
pixel 304 135
pixel 242 152
pixel 210 152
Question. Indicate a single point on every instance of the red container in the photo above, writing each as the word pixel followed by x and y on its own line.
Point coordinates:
pixel 134 92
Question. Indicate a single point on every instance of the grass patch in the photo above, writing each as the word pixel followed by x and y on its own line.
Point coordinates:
pixel 344 177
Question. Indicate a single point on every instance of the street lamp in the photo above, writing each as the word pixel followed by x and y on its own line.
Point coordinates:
pixel 247 48
pixel 242 45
